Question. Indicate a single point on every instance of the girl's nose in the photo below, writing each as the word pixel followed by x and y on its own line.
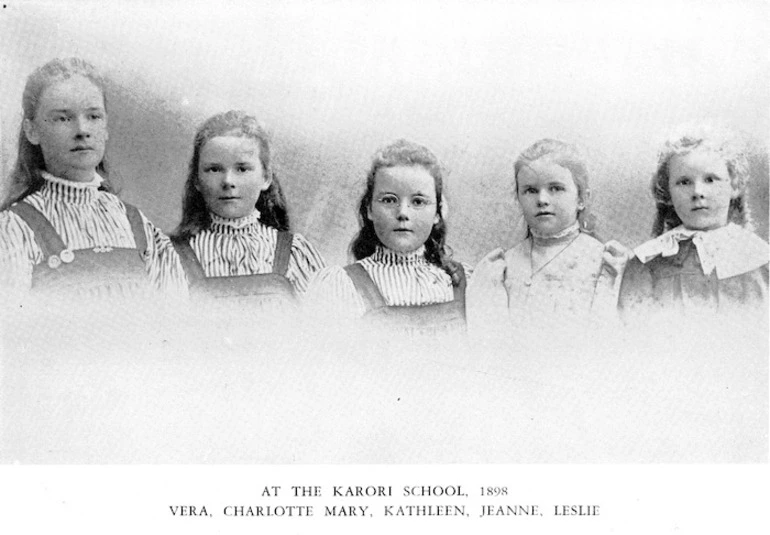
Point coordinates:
pixel 402 211
pixel 83 126
pixel 227 179
pixel 542 198
pixel 698 188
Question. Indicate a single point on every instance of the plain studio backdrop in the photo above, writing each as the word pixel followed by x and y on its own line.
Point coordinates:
pixel 477 82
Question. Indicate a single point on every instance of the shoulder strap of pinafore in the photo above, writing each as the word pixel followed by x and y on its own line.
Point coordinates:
pixel 365 286
pixel 282 252
pixel 47 238
pixel 137 227
pixel 190 263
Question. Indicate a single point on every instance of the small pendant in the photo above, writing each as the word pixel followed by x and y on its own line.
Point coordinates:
pixel 528 282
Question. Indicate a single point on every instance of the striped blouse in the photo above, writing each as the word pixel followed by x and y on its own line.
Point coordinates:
pixel 84 217
pixel 244 246
pixel 404 279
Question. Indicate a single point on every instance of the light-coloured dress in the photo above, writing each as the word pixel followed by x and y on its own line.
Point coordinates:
pixel 573 283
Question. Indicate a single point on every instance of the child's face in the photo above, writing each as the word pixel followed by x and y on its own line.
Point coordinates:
pixel 70 126
pixel 404 207
pixel 548 196
pixel 701 189
pixel 230 175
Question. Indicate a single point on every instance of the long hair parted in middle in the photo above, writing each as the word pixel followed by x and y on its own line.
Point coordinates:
pixel 271 203
pixel 405 153
pixel 25 177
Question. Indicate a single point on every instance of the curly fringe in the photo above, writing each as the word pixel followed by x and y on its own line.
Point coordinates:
pixel 721 142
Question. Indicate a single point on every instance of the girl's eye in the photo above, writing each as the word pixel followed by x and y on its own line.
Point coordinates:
pixel 557 188
pixel 212 169
pixel 388 200
pixel 96 116
pixel 712 178
pixel 683 181
pixel 530 191
pixel 419 201
pixel 244 168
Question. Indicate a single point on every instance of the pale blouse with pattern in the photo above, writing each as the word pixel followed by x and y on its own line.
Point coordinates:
pixel 85 217
pixel 245 246
pixel 573 284
pixel 574 281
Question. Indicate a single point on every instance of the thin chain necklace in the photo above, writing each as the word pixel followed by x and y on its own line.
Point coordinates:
pixel 532 270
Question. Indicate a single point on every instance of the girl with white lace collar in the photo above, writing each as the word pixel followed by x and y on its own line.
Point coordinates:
pixel 403 278
pixel 704 256
pixel 558 270
pixel 64 234
pixel 234 237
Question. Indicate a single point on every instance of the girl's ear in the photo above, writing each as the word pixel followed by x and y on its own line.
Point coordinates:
pixel 266 184
pixel 442 211
pixel 369 212
pixel 736 192
pixel 30 131
pixel 583 199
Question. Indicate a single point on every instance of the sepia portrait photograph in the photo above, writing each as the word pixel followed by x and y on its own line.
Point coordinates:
pixel 397 234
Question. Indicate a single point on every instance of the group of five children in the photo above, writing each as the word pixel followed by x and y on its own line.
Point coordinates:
pixel 64 232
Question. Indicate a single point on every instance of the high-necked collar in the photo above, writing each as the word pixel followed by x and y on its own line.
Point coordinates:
pixel 389 256
pixel 69 190
pixel 239 225
pixel 562 237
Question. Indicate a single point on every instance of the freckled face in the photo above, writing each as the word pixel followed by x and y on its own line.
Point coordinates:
pixel 70 126
pixel 230 175
pixel 548 196
pixel 404 207
pixel 700 188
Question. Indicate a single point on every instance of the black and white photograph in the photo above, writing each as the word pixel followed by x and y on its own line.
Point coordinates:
pixel 385 259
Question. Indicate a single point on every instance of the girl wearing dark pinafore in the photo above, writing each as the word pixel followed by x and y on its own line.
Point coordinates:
pixel 65 234
pixel 403 278
pixel 234 238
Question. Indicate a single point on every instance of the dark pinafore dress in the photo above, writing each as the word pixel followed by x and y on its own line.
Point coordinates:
pixel 436 318
pixel 260 290
pixel 103 271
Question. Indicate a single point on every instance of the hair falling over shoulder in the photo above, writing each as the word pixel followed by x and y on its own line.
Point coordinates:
pixel 399 153
pixel 25 177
